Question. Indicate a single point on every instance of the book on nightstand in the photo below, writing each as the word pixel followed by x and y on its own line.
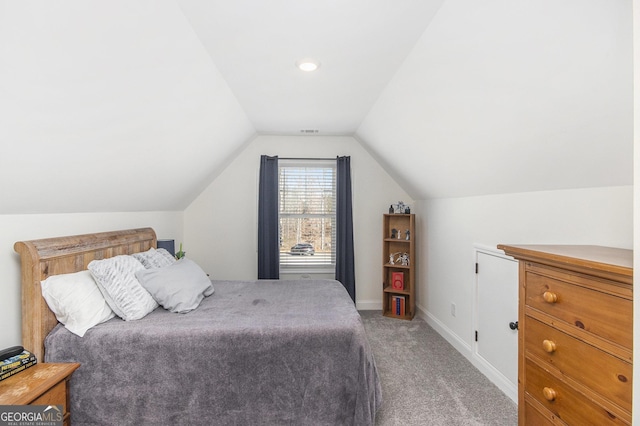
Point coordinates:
pixel 16 364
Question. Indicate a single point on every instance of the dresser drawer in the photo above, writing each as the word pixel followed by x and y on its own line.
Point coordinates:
pixel 607 374
pixel 535 417
pixel 605 315
pixel 563 401
pixel 57 395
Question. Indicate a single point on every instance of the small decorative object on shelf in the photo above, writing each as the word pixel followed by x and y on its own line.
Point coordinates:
pixel 399 258
pixel 398 272
pixel 400 207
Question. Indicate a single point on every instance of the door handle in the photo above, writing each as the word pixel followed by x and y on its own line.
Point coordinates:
pixel 513 325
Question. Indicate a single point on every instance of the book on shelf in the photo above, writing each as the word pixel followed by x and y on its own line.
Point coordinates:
pixel 398 305
pixel 16 361
pixel 397 280
pixel 9 373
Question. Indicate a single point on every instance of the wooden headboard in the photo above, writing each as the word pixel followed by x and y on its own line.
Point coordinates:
pixel 62 255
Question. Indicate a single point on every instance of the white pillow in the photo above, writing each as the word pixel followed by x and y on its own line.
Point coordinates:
pixel 178 288
pixel 76 301
pixel 117 281
pixel 153 258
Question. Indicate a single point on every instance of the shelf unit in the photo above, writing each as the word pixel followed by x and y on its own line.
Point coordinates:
pixel 398 302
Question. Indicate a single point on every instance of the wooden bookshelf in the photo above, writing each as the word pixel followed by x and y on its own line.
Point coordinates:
pixel 398 262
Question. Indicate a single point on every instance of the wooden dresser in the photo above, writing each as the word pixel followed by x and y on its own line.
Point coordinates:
pixel 575 334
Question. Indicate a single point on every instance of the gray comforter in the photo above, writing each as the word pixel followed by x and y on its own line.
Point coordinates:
pixel 253 353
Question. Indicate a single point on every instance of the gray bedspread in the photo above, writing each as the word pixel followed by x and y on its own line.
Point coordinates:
pixel 253 353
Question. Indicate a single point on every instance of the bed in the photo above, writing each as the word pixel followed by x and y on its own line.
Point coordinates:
pixel 253 352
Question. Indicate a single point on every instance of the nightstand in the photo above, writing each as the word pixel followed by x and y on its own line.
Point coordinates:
pixel 42 384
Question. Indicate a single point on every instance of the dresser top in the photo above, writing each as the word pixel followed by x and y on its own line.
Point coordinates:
pixel 583 258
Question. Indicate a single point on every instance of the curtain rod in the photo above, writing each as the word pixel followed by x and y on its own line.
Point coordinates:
pixel 306 158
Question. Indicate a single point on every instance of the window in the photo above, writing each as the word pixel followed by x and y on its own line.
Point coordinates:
pixel 307 215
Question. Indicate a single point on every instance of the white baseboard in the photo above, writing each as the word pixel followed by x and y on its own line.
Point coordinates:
pixel 369 305
pixel 497 378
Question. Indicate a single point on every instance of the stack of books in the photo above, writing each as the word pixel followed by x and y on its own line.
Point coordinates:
pixel 17 363
pixel 398 305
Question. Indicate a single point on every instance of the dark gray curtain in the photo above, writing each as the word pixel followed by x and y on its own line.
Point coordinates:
pixel 345 269
pixel 268 228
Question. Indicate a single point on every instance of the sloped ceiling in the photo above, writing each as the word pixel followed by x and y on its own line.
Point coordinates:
pixel 136 105
pixel 504 97
pixel 359 44
pixel 109 106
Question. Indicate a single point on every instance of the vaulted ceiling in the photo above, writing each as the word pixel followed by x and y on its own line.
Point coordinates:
pixel 136 105
pixel 360 44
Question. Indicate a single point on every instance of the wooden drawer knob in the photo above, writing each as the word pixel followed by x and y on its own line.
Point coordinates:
pixel 549 394
pixel 550 297
pixel 549 346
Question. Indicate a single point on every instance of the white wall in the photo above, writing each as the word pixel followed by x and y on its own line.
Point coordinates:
pixel 29 227
pixel 595 216
pixel 220 228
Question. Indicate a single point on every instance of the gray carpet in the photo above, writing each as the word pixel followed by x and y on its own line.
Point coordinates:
pixel 425 381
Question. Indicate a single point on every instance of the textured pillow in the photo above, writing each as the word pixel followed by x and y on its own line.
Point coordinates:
pixel 178 288
pixel 76 301
pixel 153 258
pixel 168 258
pixel 117 281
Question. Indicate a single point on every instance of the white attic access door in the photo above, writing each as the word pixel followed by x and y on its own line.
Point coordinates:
pixel 496 312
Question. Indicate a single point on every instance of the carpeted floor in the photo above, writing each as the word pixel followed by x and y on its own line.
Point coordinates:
pixel 425 381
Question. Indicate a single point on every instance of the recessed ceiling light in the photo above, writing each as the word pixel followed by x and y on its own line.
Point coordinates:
pixel 308 65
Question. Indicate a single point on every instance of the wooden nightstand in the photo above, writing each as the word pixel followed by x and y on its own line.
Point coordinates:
pixel 42 384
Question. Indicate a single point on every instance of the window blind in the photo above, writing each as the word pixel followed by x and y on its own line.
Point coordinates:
pixel 307 214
